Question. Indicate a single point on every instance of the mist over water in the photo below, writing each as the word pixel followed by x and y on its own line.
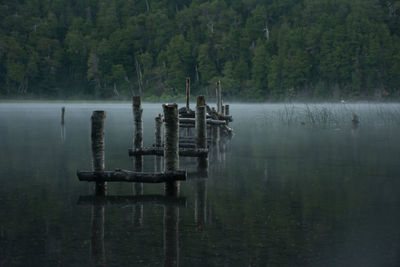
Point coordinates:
pixel 296 185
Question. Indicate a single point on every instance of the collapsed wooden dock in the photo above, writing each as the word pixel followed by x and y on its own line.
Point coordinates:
pixel 208 124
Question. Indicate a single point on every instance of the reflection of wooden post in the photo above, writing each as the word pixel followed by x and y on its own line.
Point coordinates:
pixel 200 205
pixel 171 236
pixel 97 240
pixel 187 94
pixel 171 148
pixel 97 135
pixel 201 130
pixel 62 115
pixel 138 143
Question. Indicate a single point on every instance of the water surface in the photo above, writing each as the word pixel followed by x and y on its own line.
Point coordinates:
pixel 297 185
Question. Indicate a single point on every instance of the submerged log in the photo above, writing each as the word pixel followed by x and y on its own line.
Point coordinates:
pixel 159 151
pixel 130 176
pixel 132 200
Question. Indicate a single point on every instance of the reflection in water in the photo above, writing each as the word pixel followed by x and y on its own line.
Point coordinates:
pixel 63 136
pixel 171 236
pixel 332 196
pixel 171 206
pixel 138 190
pixel 97 241
pixel 200 205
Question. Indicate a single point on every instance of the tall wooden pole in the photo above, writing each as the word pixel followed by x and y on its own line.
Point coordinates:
pixel 138 143
pixel 97 137
pixel 187 94
pixel 171 145
pixel 62 115
pixel 97 239
pixel 219 97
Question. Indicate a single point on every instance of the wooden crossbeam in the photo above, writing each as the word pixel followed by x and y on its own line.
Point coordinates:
pixel 131 176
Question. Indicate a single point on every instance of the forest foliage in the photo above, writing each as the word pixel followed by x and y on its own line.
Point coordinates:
pixel 260 50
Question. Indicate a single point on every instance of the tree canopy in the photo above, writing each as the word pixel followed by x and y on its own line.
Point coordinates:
pixel 260 50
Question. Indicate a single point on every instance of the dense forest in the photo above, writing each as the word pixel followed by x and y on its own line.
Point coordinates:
pixel 260 50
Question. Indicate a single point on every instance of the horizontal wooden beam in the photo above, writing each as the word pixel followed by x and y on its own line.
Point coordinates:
pixel 133 200
pixel 131 176
pixel 209 121
pixel 159 151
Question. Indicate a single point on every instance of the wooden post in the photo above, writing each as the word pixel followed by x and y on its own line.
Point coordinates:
pixel 219 97
pixel 62 115
pixel 171 145
pixel 137 121
pixel 138 165
pixel 158 143
pixel 222 110
pixel 158 121
pixel 97 135
pixel 201 130
pixel 227 110
pixel 187 94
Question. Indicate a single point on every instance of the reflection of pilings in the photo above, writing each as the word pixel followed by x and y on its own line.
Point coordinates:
pixel 200 205
pixel 171 148
pixel 97 137
pixel 171 236
pixel 150 200
pixel 62 133
pixel 97 240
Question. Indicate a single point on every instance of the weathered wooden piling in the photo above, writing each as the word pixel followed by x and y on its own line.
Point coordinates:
pixel 226 110
pixel 219 97
pixel 187 94
pixel 62 115
pixel 137 138
pixel 171 145
pixel 137 121
pixel 158 121
pixel 201 131
pixel 97 137
pixel 222 110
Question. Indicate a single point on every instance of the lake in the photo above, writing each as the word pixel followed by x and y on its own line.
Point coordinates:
pixel 297 185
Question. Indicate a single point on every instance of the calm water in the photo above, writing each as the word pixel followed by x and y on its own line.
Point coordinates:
pixel 286 190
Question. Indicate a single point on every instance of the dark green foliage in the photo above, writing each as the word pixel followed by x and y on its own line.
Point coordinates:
pixel 271 50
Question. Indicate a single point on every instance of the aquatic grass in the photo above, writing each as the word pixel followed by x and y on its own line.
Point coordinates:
pixel 334 116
